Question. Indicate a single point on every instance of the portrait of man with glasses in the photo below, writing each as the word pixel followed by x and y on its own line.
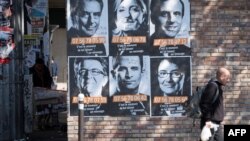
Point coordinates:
pixel 89 76
pixel 171 78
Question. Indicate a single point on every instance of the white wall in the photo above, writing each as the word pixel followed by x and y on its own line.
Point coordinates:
pixel 59 52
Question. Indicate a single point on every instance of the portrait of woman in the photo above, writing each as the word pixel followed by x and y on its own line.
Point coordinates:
pixel 129 17
pixel 128 27
pixel 170 81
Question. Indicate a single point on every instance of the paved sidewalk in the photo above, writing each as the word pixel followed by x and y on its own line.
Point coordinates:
pixel 48 135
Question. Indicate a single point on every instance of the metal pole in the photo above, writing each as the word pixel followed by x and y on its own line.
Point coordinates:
pixel 80 117
pixel 18 70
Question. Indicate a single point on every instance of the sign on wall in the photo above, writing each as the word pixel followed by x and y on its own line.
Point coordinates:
pixel 129 57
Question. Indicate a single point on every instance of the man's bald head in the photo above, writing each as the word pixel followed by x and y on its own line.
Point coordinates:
pixel 223 75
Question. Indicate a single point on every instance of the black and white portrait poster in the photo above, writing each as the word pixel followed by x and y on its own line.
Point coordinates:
pixel 129 85
pixel 171 85
pixel 87 28
pixel 129 57
pixel 89 76
pixel 169 28
pixel 128 27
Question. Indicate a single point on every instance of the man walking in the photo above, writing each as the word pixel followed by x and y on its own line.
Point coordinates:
pixel 213 112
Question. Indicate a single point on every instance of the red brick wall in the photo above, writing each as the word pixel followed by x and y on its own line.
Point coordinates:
pixel 220 36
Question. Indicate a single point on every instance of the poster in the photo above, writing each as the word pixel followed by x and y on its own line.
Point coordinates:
pixel 6 31
pixel 169 28
pixel 35 16
pixel 89 75
pixel 135 46
pixel 36 22
pixel 171 85
pixel 39 16
pixel 87 31
pixel 129 86
pixel 128 27
pixel 31 49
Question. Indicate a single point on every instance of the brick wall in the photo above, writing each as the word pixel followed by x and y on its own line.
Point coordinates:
pixel 220 36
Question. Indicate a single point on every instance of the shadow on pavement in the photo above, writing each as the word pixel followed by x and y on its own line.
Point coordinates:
pixel 48 135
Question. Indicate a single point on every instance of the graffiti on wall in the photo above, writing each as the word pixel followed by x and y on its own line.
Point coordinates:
pixel 28 104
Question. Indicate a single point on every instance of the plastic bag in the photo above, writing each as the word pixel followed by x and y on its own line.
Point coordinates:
pixel 205 133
